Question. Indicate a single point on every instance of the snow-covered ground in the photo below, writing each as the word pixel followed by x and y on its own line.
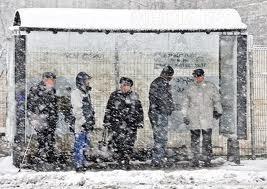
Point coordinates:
pixel 250 174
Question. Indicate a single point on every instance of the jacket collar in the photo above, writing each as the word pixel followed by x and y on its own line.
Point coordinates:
pixel 164 79
pixel 200 84
pixel 42 87
pixel 120 92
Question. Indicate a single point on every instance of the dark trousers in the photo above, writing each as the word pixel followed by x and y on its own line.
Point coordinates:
pixel 206 145
pixel 159 123
pixel 46 145
pixel 122 144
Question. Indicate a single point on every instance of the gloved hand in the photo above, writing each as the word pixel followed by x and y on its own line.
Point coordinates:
pixel 140 125
pixel 107 125
pixel 186 121
pixel 72 129
pixel 216 115
pixel 87 127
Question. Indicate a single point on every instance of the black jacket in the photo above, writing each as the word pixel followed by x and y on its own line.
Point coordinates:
pixel 160 97
pixel 41 101
pixel 124 108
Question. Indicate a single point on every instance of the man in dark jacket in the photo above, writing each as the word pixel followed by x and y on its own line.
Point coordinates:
pixel 84 114
pixel 42 113
pixel 160 107
pixel 123 116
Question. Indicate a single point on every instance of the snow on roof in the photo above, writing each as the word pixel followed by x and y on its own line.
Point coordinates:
pixel 191 20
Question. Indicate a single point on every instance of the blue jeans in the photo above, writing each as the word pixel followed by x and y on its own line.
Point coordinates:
pixel 159 124
pixel 82 142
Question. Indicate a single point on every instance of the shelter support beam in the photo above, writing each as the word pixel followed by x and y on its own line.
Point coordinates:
pixel 242 86
pixel 20 97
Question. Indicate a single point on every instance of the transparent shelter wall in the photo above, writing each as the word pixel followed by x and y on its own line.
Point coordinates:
pixel 143 56
pixel 228 90
pixel 66 54
pixel 138 56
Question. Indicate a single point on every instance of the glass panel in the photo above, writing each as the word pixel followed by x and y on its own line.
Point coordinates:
pixel 107 57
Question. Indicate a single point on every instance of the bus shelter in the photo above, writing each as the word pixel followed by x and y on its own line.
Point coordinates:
pixel 109 44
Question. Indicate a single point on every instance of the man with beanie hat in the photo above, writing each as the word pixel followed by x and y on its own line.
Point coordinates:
pixel 201 105
pixel 84 119
pixel 160 107
pixel 123 116
pixel 42 114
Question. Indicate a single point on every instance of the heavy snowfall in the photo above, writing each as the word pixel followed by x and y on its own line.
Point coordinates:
pixel 153 94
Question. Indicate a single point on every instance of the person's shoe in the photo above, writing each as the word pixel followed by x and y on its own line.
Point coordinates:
pixel 80 169
pixel 195 164
pixel 125 167
pixel 87 165
pixel 207 164
pixel 128 167
pixel 155 164
pixel 52 159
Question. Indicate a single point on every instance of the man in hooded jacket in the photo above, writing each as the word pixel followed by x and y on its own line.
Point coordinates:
pixel 123 116
pixel 160 107
pixel 84 119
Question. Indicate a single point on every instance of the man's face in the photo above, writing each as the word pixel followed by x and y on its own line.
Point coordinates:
pixel 49 83
pixel 199 79
pixel 169 78
pixel 87 83
pixel 125 88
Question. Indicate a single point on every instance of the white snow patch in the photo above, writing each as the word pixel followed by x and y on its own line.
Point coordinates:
pixel 6 166
pixel 250 174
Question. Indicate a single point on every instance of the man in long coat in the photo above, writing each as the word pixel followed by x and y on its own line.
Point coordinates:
pixel 201 105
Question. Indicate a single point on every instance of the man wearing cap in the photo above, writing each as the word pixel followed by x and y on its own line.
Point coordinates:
pixel 42 114
pixel 202 104
pixel 84 114
pixel 123 116
pixel 160 107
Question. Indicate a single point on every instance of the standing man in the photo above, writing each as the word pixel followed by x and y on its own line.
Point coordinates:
pixel 123 116
pixel 42 113
pixel 84 119
pixel 202 104
pixel 160 107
